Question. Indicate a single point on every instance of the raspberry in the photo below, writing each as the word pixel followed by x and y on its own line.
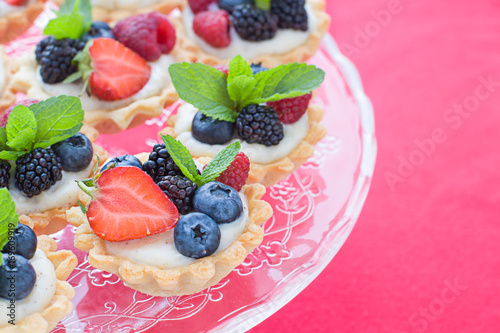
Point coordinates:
pixel 254 24
pixel 4 174
pixel 223 68
pixel 291 109
pixel 292 14
pixel 199 5
pixel 160 164
pixel 259 124
pixel 180 190
pixel 5 116
pixel 213 27
pixel 237 173
pixel 149 35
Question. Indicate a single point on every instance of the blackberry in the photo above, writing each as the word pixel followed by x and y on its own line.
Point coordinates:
pixel 4 174
pixel 180 190
pixel 55 58
pixel 160 164
pixel 254 24
pixel 259 124
pixel 37 171
pixel 291 13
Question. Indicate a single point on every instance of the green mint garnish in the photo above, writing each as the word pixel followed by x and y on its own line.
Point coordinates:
pixel 182 158
pixel 21 128
pixel 73 20
pixel 8 218
pixel 263 4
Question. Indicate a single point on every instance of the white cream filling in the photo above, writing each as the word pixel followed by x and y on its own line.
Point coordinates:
pixel 284 41
pixel 41 295
pixel 257 153
pixel 158 80
pixel 124 4
pixel 63 193
pixel 159 250
pixel 6 9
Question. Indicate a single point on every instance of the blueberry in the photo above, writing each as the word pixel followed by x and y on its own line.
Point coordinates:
pixel 219 201
pixel 23 242
pixel 196 235
pixel 98 29
pixel 124 160
pixel 17 277
pixel 228 5
pixel 76 152
pixel 212 131
pixel 258 68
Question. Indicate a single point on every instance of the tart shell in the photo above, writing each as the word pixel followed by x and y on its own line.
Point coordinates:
pixel 6 96
pixel 15 24
pixel 190 51
pixel 43 322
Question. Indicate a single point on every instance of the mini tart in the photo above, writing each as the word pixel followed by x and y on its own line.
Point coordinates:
pixel 15 24
pixel 184 280
pixel 190 51
pixel 52 220
pixel 64 262
pixel 6 70
pixel 272 173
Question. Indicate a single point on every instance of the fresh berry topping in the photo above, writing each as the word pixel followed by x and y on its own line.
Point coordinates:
pixel 228 5
pixel 129 205
pixel 5 116
pixel 196 236
pixel 259 124
pixel 212 131
pixel 98 29
pixel 123 161
pixel 291 109
pixel 180 190
pixel 199 5
pixel 15 2
pixel 18 271
pixel 150 35
pixel 254 24
pixel 75 152
pixel 258 68
pixel 4 174
pixel 37 171
pixel 22 242
pixel 219 201
pixel 55 58
pixel 118 71
pixel 223 68
pixel 237 173
pixel 160 164
pixel 291 13
pixel 213 27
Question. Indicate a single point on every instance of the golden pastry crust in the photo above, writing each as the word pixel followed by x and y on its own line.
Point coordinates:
pixel 185 280
pixel 15 24
pixel 6 96
pixel 272 173
pixel 53 220
pixel 105 121
pixel 64 262
pixel 190 51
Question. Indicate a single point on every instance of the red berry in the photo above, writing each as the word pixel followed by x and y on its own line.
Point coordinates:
pixel 237 173
pixel 129 205
pixel 223 68
pixel 5 116
pixel 199 5
pixel 213 27
pixel 291 109
pixel 15 2
pixel 150 35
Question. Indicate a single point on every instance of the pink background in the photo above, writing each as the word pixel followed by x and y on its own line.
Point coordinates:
pixel 425 253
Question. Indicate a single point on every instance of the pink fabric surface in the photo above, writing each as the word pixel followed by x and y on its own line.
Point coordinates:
pixel 424 255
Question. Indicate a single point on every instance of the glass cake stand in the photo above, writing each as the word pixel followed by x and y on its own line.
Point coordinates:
pixel 315 209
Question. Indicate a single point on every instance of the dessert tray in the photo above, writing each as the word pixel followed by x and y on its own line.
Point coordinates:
pixel 315 209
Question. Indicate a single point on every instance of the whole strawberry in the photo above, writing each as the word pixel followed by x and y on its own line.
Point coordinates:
pixel 213 27
pixel 291 109
pixel 5 115
pixel 149 35
pixel 237 173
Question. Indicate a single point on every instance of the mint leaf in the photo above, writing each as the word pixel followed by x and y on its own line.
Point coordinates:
pixel 21 128
pixel 3 139
pixel 220 162
pixel 8 218
pixel 242 89
pixel 263 4
pixel 58 118
pixel 205 87
pixel 66 26
pixel 11 155
pixel 85 8
pixel 239 67
pixel 182 158
pixel 67 7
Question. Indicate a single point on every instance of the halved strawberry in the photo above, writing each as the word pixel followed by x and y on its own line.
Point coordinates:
pixel 129 205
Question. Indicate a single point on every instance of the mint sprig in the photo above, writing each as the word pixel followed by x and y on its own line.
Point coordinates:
pixel 8 218
pixel 263 4
pixel 73 20
pixel 182 158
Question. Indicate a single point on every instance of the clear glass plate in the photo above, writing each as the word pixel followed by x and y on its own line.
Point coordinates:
pixel 315 209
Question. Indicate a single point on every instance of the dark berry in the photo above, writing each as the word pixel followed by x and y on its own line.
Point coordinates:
pixel 228 5
pixel 180 190
pixel 291 13
pixel 4 174
pixel 160 164
pixel 22 242
pixel 254 24
pixel 98 29
pixel 76 152
pixel 55 58
pixel 124 160
pixel 219 201
pixel 196 235
pixel 17 277
pixel 258 68
pixel 212 131
pixel 259 124
pixel 236 174
pixel 37 171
